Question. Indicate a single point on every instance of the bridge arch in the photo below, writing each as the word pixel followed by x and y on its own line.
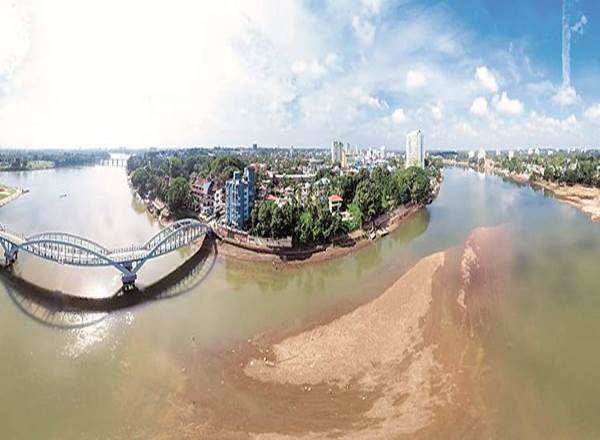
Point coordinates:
pixel 74 250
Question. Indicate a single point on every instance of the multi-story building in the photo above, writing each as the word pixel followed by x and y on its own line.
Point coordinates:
pixel 344 159
pixel 203 196
pixel 415 149
pixel 336 151
pixel 219 201
pixel 239 197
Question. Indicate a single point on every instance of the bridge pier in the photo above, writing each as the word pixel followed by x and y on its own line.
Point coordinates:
pixel 10 256
pixel 128 281
pixel 128 278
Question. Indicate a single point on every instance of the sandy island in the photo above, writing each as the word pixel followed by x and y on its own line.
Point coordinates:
pixel 9 194
pixel 369 347
pixel 409 363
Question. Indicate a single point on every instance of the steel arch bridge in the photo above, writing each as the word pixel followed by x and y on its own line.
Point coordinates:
pixel 70 249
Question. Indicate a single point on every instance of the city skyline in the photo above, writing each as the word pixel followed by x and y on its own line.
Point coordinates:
pixel 231 74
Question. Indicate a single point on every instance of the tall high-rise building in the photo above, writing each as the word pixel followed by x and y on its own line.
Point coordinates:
pixel 239 197
pixel 336 151
pixel 344 161
pixel 415 149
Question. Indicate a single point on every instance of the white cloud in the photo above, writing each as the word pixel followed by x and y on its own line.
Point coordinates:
pixel 566 95
pixel 310 68
pixel 592 113
pixel 578 27
pixel 415 80
pixel 552 125
pixel 364 30
pixel 479 106
pixel 372 7
pixel 91 91
pixel 14 39
pixel 506 105
pixel 437 112
pixel 487 78
pixel 375 103
pixel 398 117
pixel 333 61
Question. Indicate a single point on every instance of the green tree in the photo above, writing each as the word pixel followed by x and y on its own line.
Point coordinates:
pixel 368 198
pixel 139 179
pixel 178 194
pixel 175 167
pixel 418 184
pixel 402 189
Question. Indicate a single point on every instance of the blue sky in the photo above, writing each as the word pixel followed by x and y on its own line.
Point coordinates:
pixel 469 73
pixel 536 25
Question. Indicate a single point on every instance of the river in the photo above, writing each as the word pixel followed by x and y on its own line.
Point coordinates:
pixel 160 369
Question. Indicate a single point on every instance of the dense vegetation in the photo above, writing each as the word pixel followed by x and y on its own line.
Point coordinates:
pixel 366 195
pixel 306 225
pixel 564 168
pixel 20 160
pixel 166 175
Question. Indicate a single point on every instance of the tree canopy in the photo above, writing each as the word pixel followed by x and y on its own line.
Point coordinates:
pixel 178 194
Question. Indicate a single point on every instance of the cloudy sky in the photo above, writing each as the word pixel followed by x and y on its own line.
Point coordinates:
pixel 491 73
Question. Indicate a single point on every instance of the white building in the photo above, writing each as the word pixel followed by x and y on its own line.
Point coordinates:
pixel 481 154
pixel 511 154
pixel 415 149
pixel 336 151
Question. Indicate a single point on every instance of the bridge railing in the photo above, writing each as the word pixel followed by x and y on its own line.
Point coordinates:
pixel 71 249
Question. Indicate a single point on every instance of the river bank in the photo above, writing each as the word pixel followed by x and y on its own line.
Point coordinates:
pixel 586 199
pixel 346 245
pixel 9 194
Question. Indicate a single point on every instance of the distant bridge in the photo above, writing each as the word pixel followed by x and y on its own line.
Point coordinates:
pixel 65 248
pixel 114 162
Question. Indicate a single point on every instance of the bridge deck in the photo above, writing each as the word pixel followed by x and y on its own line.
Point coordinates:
pixel 71 249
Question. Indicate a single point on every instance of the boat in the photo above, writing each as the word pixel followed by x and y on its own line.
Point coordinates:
pixel 63 195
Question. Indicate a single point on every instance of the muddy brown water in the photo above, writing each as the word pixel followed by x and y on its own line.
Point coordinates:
pixel 522 355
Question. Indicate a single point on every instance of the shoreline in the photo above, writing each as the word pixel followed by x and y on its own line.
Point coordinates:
pixel 297 257
pixel 585 199
pixel 317 254
pixel 18 193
